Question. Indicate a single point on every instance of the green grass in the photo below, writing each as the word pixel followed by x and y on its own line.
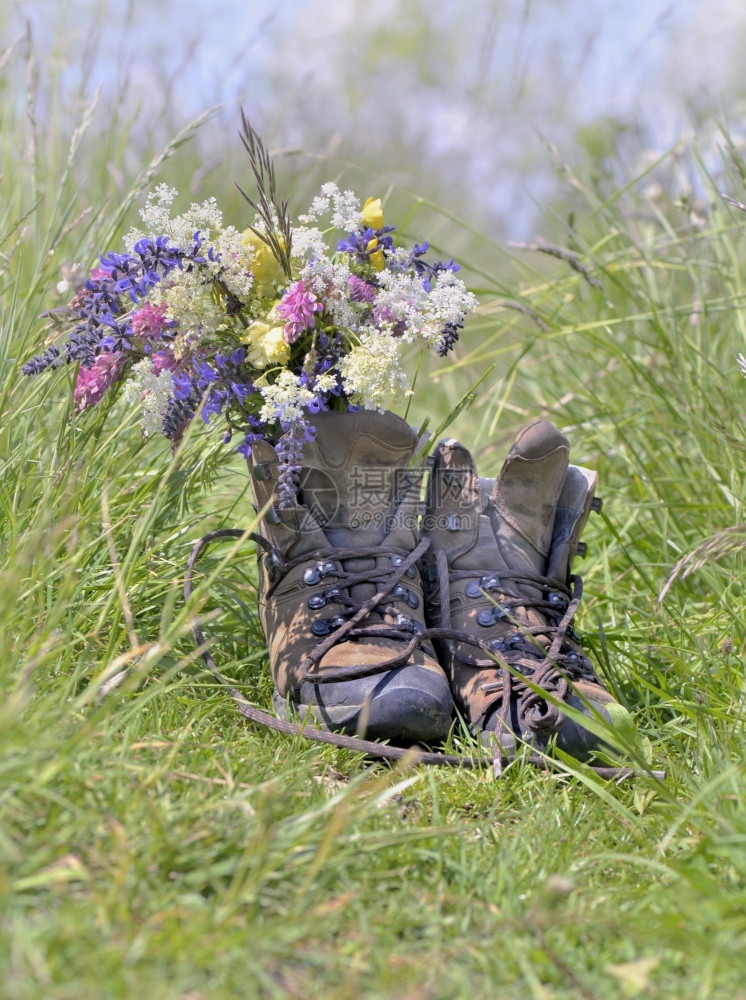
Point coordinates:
pixel 154 844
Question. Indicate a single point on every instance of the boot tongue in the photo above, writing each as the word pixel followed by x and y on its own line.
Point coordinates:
pixel 525 497
pixel 354 474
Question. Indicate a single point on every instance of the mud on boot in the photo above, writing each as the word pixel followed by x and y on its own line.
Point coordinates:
pixel 499 571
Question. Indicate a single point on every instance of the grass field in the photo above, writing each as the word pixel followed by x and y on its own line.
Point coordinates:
pixel 154 845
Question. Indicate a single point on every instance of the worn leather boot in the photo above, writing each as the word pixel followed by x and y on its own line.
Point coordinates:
pixel 499 571
pixel 340 595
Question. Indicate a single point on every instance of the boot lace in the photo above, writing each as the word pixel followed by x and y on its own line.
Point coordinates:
pixel 357 620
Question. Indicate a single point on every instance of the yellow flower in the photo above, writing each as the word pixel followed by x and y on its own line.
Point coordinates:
pixel 373 213
pixel 266 344
pixel 264 265
pixel 376 256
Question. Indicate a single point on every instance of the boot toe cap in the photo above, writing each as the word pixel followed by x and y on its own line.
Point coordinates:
pixel 410 704
pixel 572 737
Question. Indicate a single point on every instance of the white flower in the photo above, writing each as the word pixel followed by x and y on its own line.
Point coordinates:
pixel 190 303
pixel 404 299
pixel 325 381
pixel 343 205
pixel 156 216
pixel 285 399
pixel 372 373
pixel 308 243
pixel 235 263
pixel 152 392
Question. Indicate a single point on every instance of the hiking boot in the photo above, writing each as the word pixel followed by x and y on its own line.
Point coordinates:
pixel 498 571
pixel 340 595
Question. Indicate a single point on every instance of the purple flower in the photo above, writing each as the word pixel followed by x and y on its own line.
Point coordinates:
pixel 383 314
pixel 98 305
pixel 290 454
pixel 248 442
pixel 205 374
pixel 297 308
pixel 180 407
pixel 241 390
pixel 367 241
pixel 427 271
pixel 215 402
pixel 448 337
pixel 184 387
pixel 361 291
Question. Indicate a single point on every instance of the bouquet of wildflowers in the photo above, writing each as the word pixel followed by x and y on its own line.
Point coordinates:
pixel 262 327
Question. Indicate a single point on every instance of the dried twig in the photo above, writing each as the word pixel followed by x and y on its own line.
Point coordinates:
pixel 521 307
pixel 569 256
pixel 732 201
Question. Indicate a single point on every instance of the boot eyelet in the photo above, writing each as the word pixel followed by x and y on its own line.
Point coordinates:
pixel 477 589
pixel 323 626
pixel 411 572
pixel 490 616
pixel 327 567
pixel 413 600
pixel 557 599
pixel 311 576
pixel 400 591
pixel 316 601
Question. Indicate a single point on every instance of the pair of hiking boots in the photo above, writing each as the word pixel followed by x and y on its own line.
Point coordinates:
pixel 382 614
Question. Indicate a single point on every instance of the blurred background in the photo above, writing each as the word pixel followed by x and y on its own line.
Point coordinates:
pixel 476 106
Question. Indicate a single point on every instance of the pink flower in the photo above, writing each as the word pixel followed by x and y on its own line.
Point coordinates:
pixel 92 383
pixel 163 361
pixel 149 321
pixel 297 307
pixel 360 290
